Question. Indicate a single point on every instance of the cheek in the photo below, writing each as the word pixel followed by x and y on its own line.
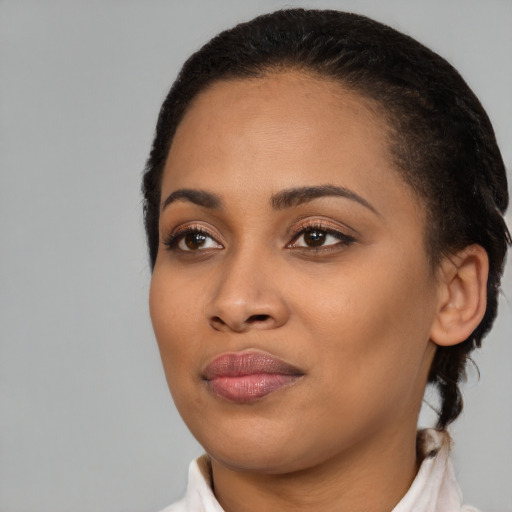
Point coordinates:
pixel 368 324
pixel 175 324
pixel 174 320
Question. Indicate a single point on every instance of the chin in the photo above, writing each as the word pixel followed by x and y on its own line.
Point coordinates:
pixel 270 461
pixel 266 446
pixel 256 446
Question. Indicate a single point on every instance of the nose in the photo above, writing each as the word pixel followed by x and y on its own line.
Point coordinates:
pixel 247 296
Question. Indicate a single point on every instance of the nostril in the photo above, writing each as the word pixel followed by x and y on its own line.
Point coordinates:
pixel 218 320
pixel 241 325
pixel 258 318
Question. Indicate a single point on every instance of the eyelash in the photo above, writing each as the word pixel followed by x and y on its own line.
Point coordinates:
pixel 174 238
pixel 344 240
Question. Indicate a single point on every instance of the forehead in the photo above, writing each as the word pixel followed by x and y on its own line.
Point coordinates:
pixel 282 130
pixel 280 110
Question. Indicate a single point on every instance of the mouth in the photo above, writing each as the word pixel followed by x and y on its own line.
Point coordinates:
pixel 244 377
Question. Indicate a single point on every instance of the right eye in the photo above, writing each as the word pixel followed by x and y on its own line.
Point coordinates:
pixel 192 240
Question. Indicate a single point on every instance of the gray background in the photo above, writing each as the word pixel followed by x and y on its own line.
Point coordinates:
pixel 86 421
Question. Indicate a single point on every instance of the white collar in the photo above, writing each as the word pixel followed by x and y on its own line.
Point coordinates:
pixel 433 490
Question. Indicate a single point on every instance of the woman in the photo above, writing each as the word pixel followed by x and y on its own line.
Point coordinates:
pixel 324 207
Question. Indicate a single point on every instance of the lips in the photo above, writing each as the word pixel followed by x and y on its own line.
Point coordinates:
pixel 244 377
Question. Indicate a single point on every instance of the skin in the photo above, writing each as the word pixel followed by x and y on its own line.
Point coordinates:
pixel 356 317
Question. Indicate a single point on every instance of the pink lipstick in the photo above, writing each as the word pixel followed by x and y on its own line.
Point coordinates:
pixel 244 377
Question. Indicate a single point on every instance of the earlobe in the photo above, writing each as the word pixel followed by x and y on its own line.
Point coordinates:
pixel 462 295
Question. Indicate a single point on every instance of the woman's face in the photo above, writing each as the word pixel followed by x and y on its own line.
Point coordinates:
pixel 292 298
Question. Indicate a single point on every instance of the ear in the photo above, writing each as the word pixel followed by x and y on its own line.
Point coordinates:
pixel 462 295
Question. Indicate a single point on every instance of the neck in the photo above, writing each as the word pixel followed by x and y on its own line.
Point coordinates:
pixel 370 477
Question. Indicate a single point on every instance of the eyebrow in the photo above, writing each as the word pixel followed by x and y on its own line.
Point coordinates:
pixel 285 199
pixel 296 196
pixel 199 197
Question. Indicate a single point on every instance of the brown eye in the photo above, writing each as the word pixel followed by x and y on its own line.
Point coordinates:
pixel 194 240
pixel 314 238
pixel 320 238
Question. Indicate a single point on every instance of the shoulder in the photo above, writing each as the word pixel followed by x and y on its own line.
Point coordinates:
pixel 199 496
pixel 435 488
pixel 179 506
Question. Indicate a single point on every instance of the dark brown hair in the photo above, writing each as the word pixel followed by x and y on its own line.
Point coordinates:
pixel 442 140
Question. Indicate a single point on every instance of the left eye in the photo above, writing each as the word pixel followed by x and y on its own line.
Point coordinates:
pixel 194 241
pixel 314 237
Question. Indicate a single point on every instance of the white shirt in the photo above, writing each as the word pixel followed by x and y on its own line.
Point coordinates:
pixel 433 490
